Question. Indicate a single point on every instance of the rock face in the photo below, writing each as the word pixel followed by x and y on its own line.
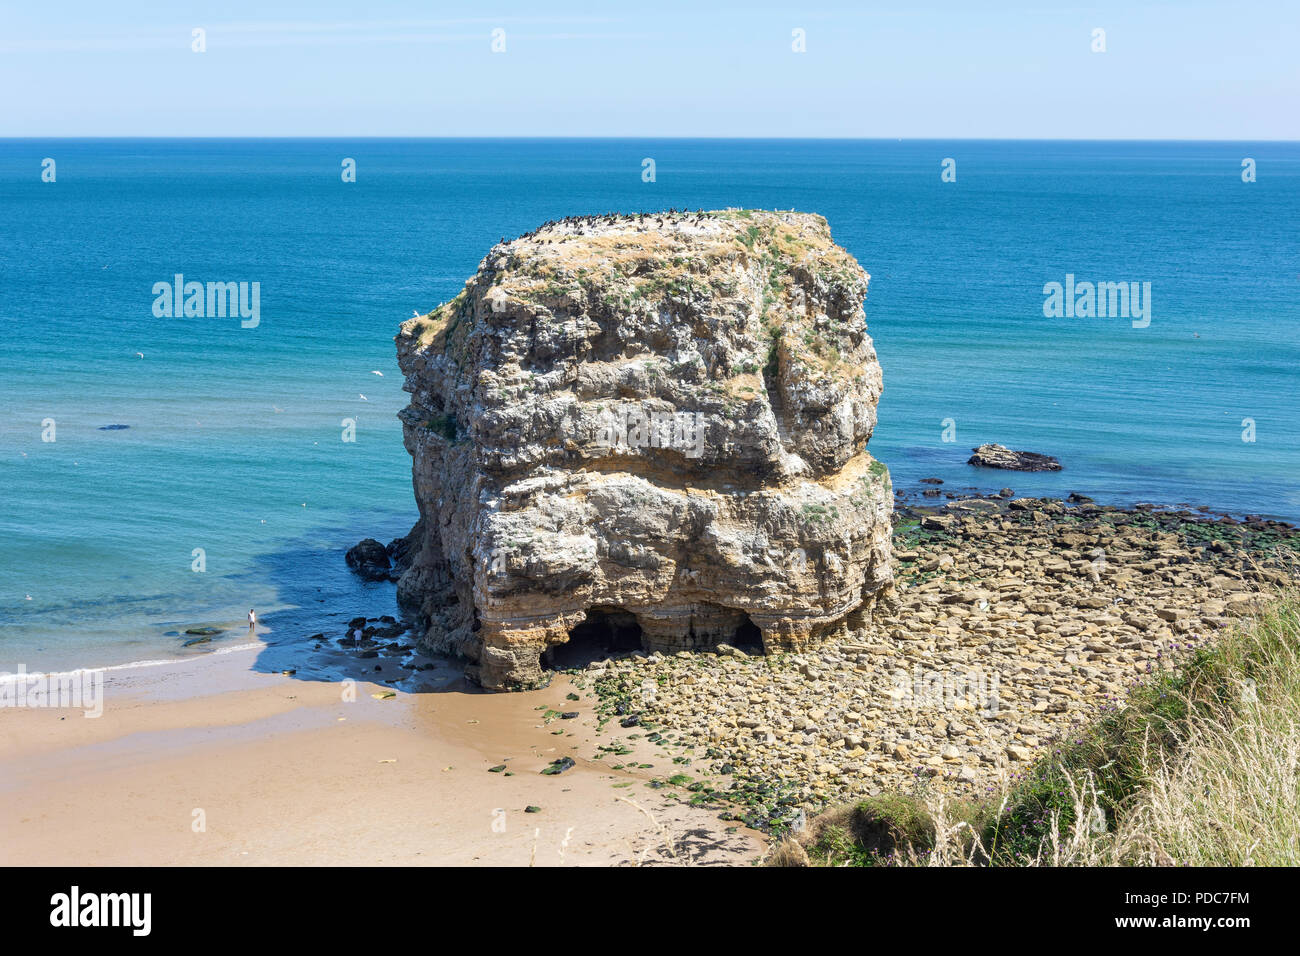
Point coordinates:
pixel 645 430
pixel 999 456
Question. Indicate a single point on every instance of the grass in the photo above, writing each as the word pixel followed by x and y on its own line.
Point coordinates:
pixel 1199 767
pixel 873 831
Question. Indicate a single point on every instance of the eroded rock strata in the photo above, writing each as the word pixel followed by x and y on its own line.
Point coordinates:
pixel 652 428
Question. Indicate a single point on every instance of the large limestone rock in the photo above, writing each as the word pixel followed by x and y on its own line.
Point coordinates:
pixel 650 427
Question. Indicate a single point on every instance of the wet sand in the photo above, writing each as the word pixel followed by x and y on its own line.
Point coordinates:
pixel 280 770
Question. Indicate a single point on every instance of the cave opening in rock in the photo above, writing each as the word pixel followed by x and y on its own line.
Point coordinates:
pixel 748 636
pixel 605 632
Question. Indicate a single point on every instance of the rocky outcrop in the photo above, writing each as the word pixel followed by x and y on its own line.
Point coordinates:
pixel 373 561
pixel 999 456
pixel 369 559
pixel 646 429
pixel 1015 623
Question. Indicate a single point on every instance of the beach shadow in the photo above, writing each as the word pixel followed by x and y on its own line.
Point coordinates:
pixel 697 847
pixel 317 596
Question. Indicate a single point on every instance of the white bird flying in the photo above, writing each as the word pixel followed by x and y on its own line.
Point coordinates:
pixel 363 398
pixel 373 372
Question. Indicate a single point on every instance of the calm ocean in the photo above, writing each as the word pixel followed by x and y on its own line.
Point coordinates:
pixel 234 445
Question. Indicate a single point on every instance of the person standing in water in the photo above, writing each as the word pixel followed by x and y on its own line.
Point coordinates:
pixel 252 621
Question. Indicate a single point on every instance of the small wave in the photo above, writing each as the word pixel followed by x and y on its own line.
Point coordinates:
pixel 9 678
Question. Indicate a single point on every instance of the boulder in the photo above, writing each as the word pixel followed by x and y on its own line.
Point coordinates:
pixel 369 559
pixel 999 456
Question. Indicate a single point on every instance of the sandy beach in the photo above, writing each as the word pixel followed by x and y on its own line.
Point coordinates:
pixel 381 754
pixel 209 762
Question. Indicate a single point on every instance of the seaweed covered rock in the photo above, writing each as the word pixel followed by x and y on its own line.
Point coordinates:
pixel 1000 456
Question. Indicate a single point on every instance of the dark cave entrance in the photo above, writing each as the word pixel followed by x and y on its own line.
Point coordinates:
pixel 748 636
pixel 606 631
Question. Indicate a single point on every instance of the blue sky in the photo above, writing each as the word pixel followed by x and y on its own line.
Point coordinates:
pixel 1175 70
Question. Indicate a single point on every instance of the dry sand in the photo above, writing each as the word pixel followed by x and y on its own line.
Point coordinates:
pixel 286 772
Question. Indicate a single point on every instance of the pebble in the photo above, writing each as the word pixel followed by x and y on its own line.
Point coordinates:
pixel 1006 629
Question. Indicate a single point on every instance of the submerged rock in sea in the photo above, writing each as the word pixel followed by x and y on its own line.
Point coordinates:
pixel 999 456
pixel 645 431
pixel 200 635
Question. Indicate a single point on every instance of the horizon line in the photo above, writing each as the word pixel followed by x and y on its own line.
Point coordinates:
pixel 651 136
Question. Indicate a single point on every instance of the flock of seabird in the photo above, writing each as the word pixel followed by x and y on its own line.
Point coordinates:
pixel 612 218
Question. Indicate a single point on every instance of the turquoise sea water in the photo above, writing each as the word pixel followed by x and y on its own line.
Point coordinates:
pixel 234 444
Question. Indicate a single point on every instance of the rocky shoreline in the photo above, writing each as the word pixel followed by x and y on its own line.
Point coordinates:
pixel 1013 621
pixel 652 432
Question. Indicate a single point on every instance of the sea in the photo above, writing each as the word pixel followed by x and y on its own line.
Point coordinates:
pixel 234 485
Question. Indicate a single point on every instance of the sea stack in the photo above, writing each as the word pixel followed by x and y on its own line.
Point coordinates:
pixel 651 429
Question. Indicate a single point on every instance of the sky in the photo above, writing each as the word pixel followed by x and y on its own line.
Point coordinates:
pixel 967 69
